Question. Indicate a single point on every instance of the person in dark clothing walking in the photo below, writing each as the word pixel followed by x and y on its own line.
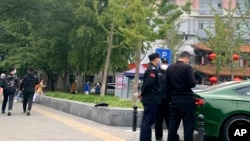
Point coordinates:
pixel 10 86
pixel 150 96
pixel 28 84
pixel 180 80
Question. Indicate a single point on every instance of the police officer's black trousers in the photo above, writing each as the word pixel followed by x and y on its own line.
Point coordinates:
pixel 8 94
pixel 161 115
pixel 148 120
pixel 27 99
pixel 182 108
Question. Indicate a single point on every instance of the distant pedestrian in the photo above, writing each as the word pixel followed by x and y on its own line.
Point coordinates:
pixel 19 92
pixel 73 89
pixel 97 88
pixel 28 84
pixel 2 83
pixel 39 89
pixel 9 89
pixel 180 80
pixel 150 96
pixel 86 88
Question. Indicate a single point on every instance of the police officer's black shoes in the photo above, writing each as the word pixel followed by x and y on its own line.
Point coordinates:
pixel 3 112
pixel 9 113
pixel 28 113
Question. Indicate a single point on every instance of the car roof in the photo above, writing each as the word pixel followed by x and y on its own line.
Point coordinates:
pixel 226 85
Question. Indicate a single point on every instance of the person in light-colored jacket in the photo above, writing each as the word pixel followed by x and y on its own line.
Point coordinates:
pixel 39 89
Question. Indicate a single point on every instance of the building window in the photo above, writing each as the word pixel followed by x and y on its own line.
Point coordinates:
pixel 110 79
pixel 204 24
pixel 89 79
pixel 242 6
pixel 206 5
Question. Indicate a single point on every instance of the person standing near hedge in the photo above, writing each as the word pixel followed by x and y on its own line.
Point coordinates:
pixel 150 96
pixel 73 89
pixel 39 89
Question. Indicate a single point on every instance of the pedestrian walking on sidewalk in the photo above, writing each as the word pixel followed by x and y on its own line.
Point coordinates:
pixel 2 82
pixel 19 92
pixel 180 80
pixel 28 84
pixel 150 96
pixel 39 89
pixel 9 89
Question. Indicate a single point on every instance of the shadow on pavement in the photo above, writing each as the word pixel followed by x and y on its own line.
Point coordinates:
pixel 209 138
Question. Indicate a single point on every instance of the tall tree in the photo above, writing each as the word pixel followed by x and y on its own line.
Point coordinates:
pixel 109 18
pixel 137 30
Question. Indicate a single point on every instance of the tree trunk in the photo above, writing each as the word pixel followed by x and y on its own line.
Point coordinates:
pixel 65 76
pixel 109 50
pixel 51 82
pixel 137 73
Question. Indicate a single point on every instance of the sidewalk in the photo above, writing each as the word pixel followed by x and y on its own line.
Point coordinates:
pixel 46 124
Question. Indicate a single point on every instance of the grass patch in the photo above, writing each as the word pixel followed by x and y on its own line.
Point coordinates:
pixel 113 101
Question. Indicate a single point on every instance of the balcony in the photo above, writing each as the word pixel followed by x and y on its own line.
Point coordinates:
pixel 203 35
pixel 210 12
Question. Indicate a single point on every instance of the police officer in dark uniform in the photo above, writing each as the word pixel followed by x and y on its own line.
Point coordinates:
pixel 163 109
pixel 180 80
pixel 150 96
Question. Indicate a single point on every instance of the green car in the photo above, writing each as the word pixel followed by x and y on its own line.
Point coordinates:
pixel 226 107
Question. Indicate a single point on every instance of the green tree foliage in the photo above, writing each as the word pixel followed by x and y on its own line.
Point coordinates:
pixel 85 36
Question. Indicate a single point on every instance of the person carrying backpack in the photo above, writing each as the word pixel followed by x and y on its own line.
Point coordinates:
pixel 2 82
pixel 9 89
pixel 28 84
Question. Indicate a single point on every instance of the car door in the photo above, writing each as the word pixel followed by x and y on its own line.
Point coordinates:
pixel 243 101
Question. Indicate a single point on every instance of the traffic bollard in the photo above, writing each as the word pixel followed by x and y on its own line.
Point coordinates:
pixel 134 118
pixel 201 129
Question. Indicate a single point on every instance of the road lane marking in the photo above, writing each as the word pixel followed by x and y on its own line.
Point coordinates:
pixel 82 127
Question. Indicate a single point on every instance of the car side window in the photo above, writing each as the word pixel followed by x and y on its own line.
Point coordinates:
pixel 110 87
pixel 243 91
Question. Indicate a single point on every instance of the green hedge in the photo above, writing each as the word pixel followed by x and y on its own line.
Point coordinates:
pixel 112 100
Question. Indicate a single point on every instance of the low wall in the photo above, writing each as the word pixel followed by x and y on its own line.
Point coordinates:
pixel 105 115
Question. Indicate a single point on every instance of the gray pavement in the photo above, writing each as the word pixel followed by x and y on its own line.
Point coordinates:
pixel 46 124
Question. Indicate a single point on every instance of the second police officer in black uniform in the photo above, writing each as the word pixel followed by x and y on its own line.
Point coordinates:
pixel 150 96
pixel 163 109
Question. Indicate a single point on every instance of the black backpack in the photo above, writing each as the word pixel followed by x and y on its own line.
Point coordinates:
pixel 2 82
pixel 10 82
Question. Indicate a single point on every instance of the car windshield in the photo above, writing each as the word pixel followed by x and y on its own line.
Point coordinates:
pixel 225 84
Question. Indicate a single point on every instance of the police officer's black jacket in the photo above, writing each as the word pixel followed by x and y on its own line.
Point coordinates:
pixel 29 82
pixel 163 82
pixel 151 87
pixel 180 79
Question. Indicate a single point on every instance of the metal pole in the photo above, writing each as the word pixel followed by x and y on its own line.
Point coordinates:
pixel 201 129
pixel 134 118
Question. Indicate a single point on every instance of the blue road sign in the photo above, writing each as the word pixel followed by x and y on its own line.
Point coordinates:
pixel 165 53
